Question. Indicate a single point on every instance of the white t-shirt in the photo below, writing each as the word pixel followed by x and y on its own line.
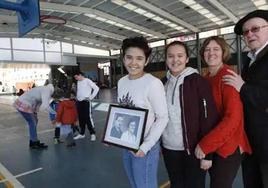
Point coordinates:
pixel 146 92
pixel 84 89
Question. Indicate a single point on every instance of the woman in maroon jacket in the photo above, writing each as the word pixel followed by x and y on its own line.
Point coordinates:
pixel 192 114
pixel 228 139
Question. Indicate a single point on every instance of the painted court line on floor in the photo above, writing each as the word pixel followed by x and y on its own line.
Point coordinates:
pixel 45 131
pixel 101 106
pixel 3 180
pixel 28 172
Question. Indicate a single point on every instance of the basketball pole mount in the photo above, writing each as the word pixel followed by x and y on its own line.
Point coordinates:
pixel 28 12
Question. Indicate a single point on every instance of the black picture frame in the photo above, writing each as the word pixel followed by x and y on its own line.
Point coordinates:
pixel 125 126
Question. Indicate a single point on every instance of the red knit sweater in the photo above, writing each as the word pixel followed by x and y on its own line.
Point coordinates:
pixel 229 133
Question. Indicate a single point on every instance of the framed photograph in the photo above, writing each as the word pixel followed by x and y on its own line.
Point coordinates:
pixel 125 126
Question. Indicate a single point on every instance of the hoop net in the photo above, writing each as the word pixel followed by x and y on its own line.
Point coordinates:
pixel 52 19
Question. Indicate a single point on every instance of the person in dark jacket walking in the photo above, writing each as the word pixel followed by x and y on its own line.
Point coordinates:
pixel 192 114
pixel 253 89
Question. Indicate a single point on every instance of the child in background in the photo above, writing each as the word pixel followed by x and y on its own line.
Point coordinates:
pixel 66 117
pixel 75 128
pixel 53 105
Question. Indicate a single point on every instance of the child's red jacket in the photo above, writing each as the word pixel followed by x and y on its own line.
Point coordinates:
pixel 66 112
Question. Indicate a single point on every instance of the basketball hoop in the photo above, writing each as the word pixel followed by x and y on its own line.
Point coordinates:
pixel 52 19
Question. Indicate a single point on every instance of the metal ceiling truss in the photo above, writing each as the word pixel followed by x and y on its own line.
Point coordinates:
pixel 84 30
pixel 83 10
pixel 224 10
pixel 96 30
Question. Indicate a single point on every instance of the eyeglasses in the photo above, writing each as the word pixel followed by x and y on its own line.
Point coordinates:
pixel 254 29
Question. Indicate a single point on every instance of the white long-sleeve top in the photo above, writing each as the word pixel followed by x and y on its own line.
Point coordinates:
pixel 86 89
pixel 146 92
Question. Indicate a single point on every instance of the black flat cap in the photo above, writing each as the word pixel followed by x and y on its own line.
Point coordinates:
pixel 257 13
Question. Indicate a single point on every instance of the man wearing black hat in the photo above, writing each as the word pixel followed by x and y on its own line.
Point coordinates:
pixel 253 88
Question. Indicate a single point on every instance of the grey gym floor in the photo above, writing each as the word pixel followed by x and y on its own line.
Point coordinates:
pixel 88 165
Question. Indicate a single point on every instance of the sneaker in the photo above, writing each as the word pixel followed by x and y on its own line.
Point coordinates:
pixel 37 145
pixel 57 141
pixel 80 136
pixel 93 137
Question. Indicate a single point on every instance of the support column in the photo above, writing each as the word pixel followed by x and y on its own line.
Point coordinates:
pixel 198 59
pixel 113 64
pixel 121 64
pixel 238 52
pixel 165 55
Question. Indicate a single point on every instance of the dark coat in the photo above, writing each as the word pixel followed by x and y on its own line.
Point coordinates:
pixel 254 95
pixel 198 110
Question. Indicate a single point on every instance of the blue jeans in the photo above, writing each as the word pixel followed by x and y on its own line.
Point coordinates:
pixel 67 132
pixel 32 120
pixel 142 171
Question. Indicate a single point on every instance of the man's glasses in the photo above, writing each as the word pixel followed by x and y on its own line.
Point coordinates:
pixel 254 29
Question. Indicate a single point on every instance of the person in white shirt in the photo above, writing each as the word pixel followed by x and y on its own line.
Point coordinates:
pixel 86 91
pixel 129 135
pixel 142 90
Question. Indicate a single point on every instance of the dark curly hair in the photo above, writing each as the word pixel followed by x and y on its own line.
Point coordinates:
pixel 139 42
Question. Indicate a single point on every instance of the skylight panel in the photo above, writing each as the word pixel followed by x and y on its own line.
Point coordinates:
pixel 147 14
pixel 203 11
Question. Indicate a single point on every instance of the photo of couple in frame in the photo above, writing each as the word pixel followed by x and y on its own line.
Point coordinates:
pixel 125 126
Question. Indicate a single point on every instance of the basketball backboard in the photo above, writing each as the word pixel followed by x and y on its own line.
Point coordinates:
pixel 28 12
pixel 30 18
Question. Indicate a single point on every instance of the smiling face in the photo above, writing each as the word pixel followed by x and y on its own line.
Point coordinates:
pixel 257 39
pixel 119 122
pixel 132 126
pixel 176 59
pixel 213 54
pixel 134 62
